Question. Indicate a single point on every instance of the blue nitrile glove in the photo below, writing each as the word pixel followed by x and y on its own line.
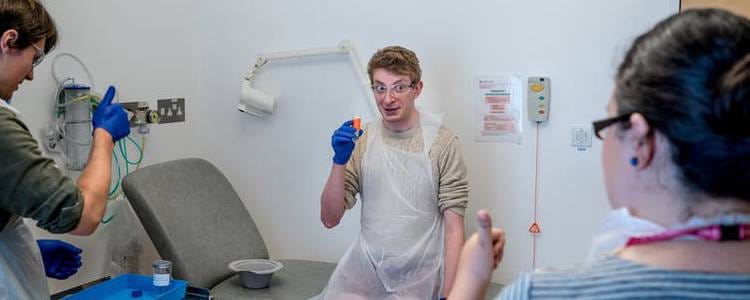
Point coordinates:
pixel 342 142
pixel 111 117
pixel 61 260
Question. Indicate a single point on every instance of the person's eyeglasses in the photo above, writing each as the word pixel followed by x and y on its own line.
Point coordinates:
pixel 600 125
pixel 39 57
pixel 398 88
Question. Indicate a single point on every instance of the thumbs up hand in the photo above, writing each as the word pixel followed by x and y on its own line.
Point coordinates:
pixel 111 117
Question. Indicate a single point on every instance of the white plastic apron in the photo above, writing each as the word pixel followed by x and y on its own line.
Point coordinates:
pixel 615 230
pixel 399 252
pixel 21 267
pixel 619 226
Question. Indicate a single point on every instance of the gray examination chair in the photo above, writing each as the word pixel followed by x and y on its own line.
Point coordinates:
pixel 196 219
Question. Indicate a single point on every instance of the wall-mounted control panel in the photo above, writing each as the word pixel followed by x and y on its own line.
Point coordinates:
pixel 538 97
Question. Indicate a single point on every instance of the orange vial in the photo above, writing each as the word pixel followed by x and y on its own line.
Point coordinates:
pixel 357 123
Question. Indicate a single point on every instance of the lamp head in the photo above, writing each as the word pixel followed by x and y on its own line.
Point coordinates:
pixel 255 102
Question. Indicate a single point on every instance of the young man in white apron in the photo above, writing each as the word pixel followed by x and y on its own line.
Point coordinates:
pixel 409 173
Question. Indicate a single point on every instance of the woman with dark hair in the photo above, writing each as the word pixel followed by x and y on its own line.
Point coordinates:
pixel 31 186
pixel 676 154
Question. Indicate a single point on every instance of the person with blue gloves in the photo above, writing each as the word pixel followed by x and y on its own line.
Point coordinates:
pixel 409 173
pixel 31 186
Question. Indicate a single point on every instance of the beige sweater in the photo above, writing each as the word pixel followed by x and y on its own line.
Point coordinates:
pixel 448 166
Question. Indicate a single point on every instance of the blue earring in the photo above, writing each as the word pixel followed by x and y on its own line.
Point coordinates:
pixel 634 161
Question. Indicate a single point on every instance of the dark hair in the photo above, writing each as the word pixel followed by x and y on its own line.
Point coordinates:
pixel 31 20
pixel 690 78
pixel 398 60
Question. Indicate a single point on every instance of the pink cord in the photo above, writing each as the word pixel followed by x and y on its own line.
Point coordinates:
pixel 710 233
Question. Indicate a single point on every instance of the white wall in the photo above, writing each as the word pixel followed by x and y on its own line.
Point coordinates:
pixel 200 50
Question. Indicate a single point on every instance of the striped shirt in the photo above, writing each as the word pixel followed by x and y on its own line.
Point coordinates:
pixel 616 278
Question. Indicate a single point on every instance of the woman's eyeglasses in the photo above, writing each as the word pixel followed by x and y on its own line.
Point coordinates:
pixel 600 125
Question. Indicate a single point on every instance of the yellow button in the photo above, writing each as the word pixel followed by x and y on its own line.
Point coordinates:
pixel 537 87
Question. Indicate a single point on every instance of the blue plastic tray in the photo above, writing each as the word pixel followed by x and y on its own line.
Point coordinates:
pixel 127 285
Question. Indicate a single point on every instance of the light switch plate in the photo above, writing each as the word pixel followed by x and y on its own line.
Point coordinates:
pixel 581 136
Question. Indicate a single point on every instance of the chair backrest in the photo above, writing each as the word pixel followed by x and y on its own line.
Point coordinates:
pixel 194 218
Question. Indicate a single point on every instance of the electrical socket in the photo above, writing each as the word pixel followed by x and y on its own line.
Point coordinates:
pixel 171 110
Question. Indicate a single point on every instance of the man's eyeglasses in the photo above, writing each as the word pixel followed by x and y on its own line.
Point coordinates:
pixel 398 88
pixel 39 57
pixel 600 125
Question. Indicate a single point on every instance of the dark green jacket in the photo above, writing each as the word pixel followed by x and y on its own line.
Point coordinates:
pixel 31 185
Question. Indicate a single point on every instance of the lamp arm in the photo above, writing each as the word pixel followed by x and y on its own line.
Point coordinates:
pixel 250 76
pixel 263 58
pixel 300 53
pixel 345 47
pixel 364 82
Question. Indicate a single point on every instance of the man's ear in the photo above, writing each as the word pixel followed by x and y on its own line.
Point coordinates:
pixel 641 141
pixel 8 40
pixel 418 88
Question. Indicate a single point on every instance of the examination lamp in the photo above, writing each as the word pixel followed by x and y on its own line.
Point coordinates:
pixel 260 104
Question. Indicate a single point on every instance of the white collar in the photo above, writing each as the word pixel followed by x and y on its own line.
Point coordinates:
pixel 3 103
